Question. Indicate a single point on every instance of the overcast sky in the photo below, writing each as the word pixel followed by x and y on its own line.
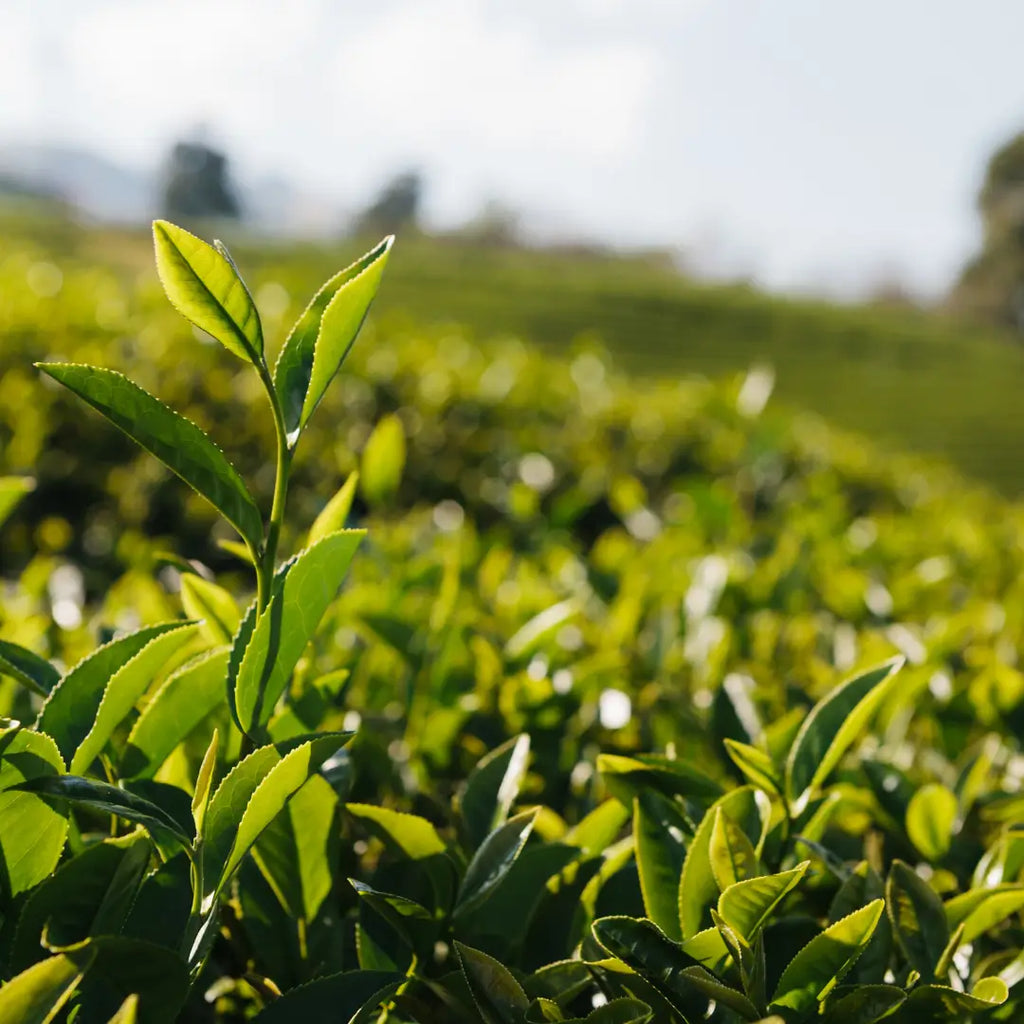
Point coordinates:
pixel 813 143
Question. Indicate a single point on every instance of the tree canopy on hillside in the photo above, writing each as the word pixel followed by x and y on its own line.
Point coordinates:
pixel 197 183
pixel 991 286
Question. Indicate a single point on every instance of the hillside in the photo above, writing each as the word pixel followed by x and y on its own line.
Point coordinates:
pixel 906 378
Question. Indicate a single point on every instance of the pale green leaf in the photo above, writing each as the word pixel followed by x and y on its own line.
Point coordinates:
pixel 294 853
pixel 822 963
pixel 283 630
pixel 204 782
pixel 931 820
pixel 318 343
pixel 408 834
pixel 69 711
pixel 251 796
pixel 212 605
pixel 748 808
pixel 730 852
pixel 32 832
pixel 37 995
pixel 204 287
pixel 124 688
pixel 980 910
pixel 660 852
pixel 748 904
pixel 382 461
pixel 334 514
pixel 183 700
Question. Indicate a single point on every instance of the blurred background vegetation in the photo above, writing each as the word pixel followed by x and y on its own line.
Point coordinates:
pixel 603 457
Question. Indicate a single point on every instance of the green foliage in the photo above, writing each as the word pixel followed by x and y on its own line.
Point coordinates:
pixel 569 744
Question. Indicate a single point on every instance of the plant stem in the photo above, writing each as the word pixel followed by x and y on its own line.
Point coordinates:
pixel 267 562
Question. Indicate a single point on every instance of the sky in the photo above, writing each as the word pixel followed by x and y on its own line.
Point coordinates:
pixel 811 145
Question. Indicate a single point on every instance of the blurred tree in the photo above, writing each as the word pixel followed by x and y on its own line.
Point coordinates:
pixel 496 224
pixel 396 206
pixel 197 184
pixel 991 286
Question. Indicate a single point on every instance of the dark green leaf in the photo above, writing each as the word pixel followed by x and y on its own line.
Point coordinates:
pixel 492 787
pixel 660 852
pixel 108 799
pixel 334 999
pixel 832 725
pixel 89 895
pixel 28 668
pixel 918 918
pixel 176 441
pixel 498 996
pixel 491 862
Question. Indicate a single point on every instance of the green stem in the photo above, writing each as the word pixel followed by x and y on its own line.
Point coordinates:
pixel 268 561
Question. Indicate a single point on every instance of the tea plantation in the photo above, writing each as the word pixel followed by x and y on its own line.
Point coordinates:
pixel 636 701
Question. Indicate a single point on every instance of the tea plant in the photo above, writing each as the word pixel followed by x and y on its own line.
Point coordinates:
pixel 190 830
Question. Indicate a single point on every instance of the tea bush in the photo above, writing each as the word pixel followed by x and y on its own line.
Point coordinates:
pixel 568 745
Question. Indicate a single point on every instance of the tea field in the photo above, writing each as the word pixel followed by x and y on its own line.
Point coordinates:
pixel 643 698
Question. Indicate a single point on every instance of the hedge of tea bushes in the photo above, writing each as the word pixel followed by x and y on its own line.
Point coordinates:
pixel 615 601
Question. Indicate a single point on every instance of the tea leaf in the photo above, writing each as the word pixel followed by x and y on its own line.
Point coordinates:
pixel 213 606
pixel 124 688
pixel 748 904
pixel 27 668
pixel 832 725
pixel 821 964
pixel 498 996
pixel 492 788
pixel 698 889
pixel 918 918
pixel 176 441
pixel 205 288
pixel 251 796
pixel 321 338
pixel 101 796
pixel 37 995
pixel 183 700
pixel 931 816
pixel 660 852
pixel 409 834
pixel 334 999
pixel 68 713
pixel 494 858
pixel 302 595
pixel 334 514
pixel 88 895
pixel 32 832
pixel 383 461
